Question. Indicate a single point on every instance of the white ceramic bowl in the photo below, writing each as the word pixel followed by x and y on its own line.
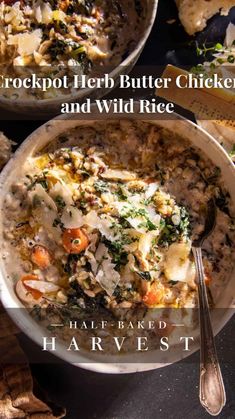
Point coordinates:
pixel 51 107
pixel 35 142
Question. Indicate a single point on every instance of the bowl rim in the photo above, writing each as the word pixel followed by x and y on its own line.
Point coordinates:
pixel 150 19
pixel 26 323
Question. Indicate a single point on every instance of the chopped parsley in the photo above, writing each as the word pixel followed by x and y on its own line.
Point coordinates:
pixel 39 180
pixel 171 232
pixel 101 186
pixel 60 202
pixel 120 194
pixel 57 223
pixel 118 254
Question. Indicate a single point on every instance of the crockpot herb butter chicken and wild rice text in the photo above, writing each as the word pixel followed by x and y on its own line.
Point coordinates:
pixel 88 37
pixel 102 222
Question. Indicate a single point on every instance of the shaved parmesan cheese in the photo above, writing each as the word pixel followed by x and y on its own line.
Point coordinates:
pixel 153 216
pixel 72 217
pixel 107 276
pixel 42 286
pixel 52 274
pixel 102 224
pixel 128 275
pixel 145 243
pixel 62 191
pixel 134 200
pixel 57 174
pixel 38 12
pixel 92 260
pixel 177 264
pixel 46 13
pixel 107 197
pixel 118 175
pixel 95 53
pixel 40 192
pixel 45 213
pixel 132 247
pixel 101 252
pixel 138 222
pixel 152 188
pixel 27 42
pixel 46 218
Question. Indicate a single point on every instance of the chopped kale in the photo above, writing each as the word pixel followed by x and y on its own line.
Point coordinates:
pixel 63 139
pixel 83 7
pixel 91 305
pixel 171 232
pixel 120 194
pixel 101 186
pixel 119 256
pixel 138 7
pixel 228 241
pixel 215 176
pixel 124 223
pixel 222 202
pixel 160 173
pixel 41 180
pixel 173 282
pixel 22 224
pixel 118 294
pixel 70 265
pixel 57 223
pixel 36 201
pixel 56 48
pixel 36 312
pixel 144 275
pixel 60 202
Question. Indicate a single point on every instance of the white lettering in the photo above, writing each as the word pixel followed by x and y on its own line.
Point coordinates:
pixel 119 345
pixel 49 344
pixel 164 344
pixel 73 345
pixel 141 344
pixel 96 344
pixel 186 341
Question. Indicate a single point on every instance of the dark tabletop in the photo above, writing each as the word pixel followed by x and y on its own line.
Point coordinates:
pixel 170 392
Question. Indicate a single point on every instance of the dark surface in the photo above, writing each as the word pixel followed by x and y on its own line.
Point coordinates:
pixel 171 392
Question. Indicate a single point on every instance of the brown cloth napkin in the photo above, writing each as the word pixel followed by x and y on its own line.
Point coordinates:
pixel 20 394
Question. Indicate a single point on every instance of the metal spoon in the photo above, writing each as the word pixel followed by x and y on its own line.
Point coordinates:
pixel 212 392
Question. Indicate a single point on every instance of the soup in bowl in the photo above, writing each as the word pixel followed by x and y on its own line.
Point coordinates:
pixel 97 224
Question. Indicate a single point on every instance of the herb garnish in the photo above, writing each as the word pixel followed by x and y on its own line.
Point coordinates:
pixel 60 202
pixel 101 186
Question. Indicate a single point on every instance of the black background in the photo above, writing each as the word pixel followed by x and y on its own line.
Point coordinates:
pixel 170 392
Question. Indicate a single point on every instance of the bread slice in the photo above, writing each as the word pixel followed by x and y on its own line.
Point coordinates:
pixel 5 149
pixel 194 14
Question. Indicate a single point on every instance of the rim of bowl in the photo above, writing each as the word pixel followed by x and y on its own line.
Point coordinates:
pixel 26 322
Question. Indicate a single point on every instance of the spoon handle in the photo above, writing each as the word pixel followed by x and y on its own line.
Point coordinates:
pixel 212 393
